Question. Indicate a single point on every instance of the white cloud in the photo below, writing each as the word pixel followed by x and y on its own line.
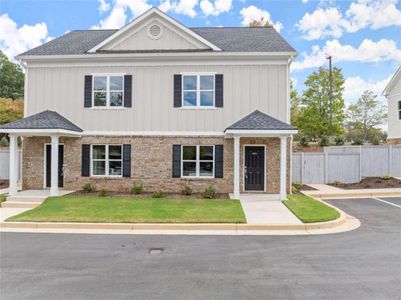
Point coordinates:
pixel 184 7
pixel 355 86
pixel 219 6
pixel 305 1
pixel 118 15
pixel 330 22
pixel 368 51
pixel 103 6
pixel 252 12
pixel 14 40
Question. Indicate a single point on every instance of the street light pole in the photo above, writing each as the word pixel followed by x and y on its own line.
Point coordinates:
pixel 331 96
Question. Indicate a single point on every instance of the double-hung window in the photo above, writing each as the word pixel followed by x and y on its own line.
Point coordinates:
pixel 108 90
pixel 197 161
pixel 198 90
pixel 106 160
pixel 399 110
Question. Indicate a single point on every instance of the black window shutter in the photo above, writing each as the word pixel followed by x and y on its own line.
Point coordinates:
pixel 177 90
pixel 128 91
pixel 176 161
pixel 85 160
pixel 219 87
pixel 218 161
pixel 88 91
pixel 127 160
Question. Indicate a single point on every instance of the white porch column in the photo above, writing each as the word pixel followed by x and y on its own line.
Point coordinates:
pixel 54 167
pixel 13 165
pixel 283 167
pixel 236 166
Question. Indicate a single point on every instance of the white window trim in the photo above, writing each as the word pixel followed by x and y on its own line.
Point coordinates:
pixel 197 162
pixel 108 91
pixel 399 110
pixel 198 91
pixel 107 160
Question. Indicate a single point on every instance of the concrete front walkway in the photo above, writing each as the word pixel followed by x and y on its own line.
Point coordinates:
pixel 267 212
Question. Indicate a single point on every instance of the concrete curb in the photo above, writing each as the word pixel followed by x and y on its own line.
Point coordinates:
pixel 352 194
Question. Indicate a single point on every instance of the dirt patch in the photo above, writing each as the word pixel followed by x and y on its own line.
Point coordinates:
pixel 297 188
pixel 3 184
pixel 149 195
pixel 311 148
pixel 371 183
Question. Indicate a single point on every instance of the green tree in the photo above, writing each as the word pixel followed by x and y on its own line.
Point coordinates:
pixel 10 110
pixel 296 109
pixel 367 114
pixel 315 120
pixel 11 79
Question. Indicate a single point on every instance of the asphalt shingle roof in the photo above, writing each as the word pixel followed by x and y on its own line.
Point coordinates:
pixel 229 39
pixel 43 120
pixel 260 121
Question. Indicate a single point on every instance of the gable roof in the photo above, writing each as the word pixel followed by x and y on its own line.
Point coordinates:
pixel 392 82
pixel 259 121
pixel 43 120
pixel 225 39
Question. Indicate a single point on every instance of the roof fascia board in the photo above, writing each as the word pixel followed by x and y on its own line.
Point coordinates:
pixel 391 83
pixel 144 16
pixel 41 132
pixel 256 133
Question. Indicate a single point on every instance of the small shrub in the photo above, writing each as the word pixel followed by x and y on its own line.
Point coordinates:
pixel 357 141
pixel 137 189
pixel 187 191
pixel 88 188
pixel 4 142
pixel 375 141
pixel 209 193
pixel 386 177
pixel 158 194
pixel 339 140
pixel 103 192
pixel 337 182
pixel 304 141
pixel 324 141
pixel 294 189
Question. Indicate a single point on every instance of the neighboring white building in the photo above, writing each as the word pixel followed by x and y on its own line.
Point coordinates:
pixel 393 94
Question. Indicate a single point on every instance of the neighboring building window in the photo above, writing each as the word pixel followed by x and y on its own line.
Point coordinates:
pixel 198 90
pixel 108 91
pixel 106 160
pixel 197 161
pixel 399 110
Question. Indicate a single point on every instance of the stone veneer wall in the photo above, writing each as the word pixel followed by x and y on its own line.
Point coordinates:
pixel 151 163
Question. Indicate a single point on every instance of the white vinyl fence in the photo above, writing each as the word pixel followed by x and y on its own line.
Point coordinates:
pixel 5 164
pixel 347 164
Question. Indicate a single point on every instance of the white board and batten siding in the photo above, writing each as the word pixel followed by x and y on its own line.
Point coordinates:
pixel 346 164
pixel 61 89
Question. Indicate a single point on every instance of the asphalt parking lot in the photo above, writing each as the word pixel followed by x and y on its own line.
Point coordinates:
pixel 361 264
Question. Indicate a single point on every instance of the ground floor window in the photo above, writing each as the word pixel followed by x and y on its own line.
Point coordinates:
pixel 197 161
pixel 106 160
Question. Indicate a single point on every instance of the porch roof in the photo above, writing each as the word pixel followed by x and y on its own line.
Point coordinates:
pixel 43 123
pixel 260 123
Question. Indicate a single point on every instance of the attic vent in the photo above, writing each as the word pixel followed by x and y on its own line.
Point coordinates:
pixel 154 31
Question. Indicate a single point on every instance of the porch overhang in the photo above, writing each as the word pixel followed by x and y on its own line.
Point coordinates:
pixel 229 133
pixel 41 132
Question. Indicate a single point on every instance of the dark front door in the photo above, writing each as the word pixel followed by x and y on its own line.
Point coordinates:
pixel 60 165
pixel 254 168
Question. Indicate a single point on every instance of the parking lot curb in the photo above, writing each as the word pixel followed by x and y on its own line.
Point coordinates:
pixel 348 194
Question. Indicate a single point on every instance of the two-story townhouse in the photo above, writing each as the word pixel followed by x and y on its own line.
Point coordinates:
pixel 158 104
pixel 393 95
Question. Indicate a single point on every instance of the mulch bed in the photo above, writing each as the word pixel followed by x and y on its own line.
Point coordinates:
pixel 3 184
pixel 370 183
pixel 301 187
pixel 149 195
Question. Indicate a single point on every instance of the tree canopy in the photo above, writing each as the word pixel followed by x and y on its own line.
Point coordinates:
pixel 10 110
pixel 11 79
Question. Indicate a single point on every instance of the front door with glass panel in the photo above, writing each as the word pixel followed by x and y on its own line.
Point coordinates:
pixel 254 168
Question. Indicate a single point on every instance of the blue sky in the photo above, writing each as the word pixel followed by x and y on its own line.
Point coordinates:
pixel 364 37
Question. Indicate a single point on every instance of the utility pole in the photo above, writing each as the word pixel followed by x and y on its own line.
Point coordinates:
pixel 331 95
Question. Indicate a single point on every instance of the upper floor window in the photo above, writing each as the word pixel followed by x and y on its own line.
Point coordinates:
pixel 108 91
pixel 399 110
pixel 198 90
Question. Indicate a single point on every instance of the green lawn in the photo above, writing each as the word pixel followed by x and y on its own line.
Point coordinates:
pixel 3 198
pixel 309 210
pixel 126 210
